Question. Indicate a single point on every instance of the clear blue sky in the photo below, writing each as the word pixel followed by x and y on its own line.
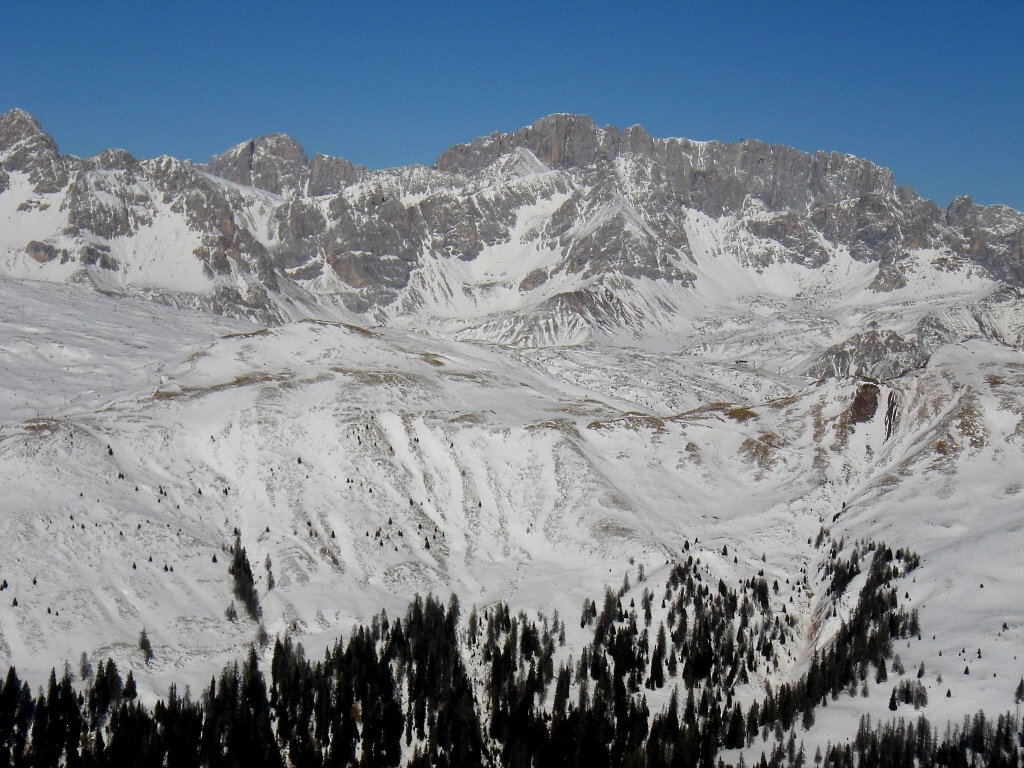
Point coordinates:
pixel 933 90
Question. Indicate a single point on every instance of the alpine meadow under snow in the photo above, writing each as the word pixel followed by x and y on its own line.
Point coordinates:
pixel 561 360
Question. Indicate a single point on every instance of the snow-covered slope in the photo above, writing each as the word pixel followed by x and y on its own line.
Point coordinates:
pixel 362 466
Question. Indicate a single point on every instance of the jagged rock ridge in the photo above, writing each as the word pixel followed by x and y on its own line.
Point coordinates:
pixel 557 233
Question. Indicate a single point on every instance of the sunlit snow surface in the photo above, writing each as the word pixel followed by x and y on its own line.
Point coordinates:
pixel 536 476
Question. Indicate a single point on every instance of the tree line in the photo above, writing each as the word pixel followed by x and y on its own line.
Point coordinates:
pixel 434 688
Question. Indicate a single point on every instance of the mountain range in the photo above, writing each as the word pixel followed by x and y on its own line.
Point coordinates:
pixel 556 357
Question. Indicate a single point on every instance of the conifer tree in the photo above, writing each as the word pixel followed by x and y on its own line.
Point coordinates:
pixel 244 583
pixel 145 646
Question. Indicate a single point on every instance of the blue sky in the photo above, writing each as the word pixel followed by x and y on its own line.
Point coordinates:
pixel 933 90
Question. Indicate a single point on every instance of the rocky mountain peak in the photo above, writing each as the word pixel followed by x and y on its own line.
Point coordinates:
pixel 558 141
pixel 26 148
pixel 276 163
pixel 15 125
pixel 328 175
pixel 111 160
pixel 959 209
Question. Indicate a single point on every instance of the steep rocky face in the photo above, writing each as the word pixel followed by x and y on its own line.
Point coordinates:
pixel 278 164
pixel 991 236
pixel 106 199
pixel 328 175
pixel 275 163
pixel 557 233
pixel 711 177
pixel 25 148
